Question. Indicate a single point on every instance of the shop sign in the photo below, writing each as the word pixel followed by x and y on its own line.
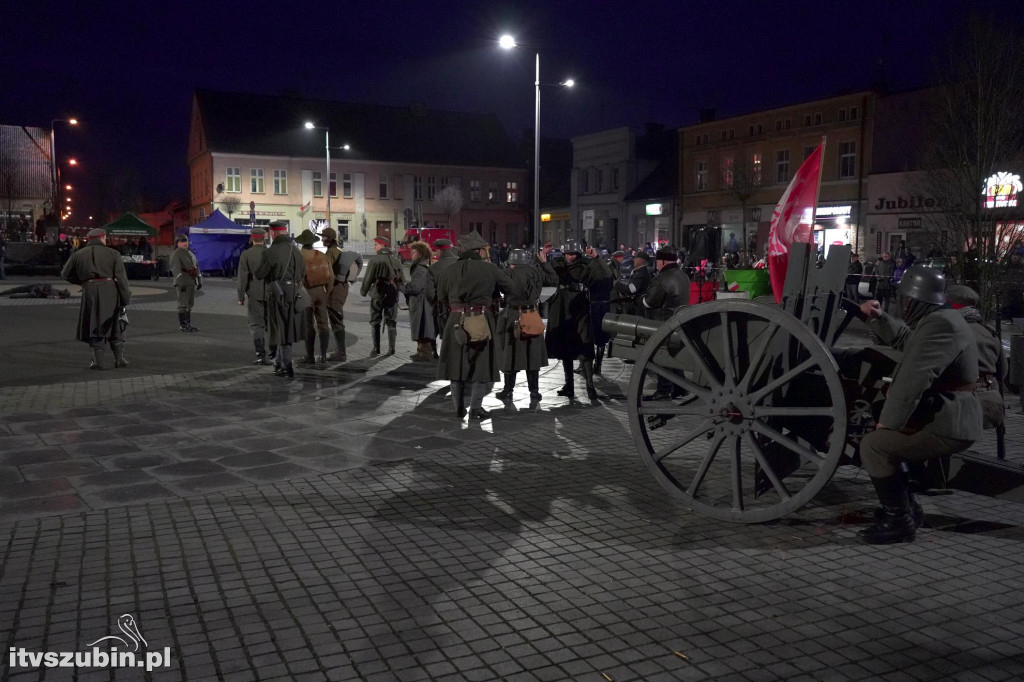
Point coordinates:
pixel 548 217
pixel 1001 190
pixel 909 223
pixel 902 204
pixel 712 217
pixel 833 211
pixel 588 220
pixel 654 209
pixel 755 214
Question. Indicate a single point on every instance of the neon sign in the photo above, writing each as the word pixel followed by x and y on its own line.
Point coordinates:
pixel 1001 190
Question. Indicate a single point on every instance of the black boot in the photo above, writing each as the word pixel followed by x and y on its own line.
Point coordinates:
pixel 119 359
pixel 375 335
pixel 597 359
pixel 533 382
pixel 183 321
pixel 433 349
pixel 588 376
pixel 273 353
pixel 339 337
pixel 325 341
pixel 896 523
pixel 261 352
pixel 97 358
pixel 392 335
pixel 188 321
pixel 310 358
pixel 567 390
pixel 510 382
pixel 459 398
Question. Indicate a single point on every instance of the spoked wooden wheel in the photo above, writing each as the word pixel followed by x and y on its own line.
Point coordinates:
pixel 756 423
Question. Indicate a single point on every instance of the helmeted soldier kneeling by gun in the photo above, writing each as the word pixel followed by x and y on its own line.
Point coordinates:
pixel 930 409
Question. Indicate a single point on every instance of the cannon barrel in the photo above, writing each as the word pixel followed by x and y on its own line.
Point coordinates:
pixel 629 326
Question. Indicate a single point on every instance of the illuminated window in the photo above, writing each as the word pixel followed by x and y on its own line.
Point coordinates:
pixel 511 192
pixel 782 165
pixel 346 185
pixel 334 184
pixel 318 184
pixel 728 174
pixel 755 169
pixel 492 191
pixel 233 180
pixel 474 190
pixel 701 183
pixel 280 181
pixel 847 159
pixel 256 181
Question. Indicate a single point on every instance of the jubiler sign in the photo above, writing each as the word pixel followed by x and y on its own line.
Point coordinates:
pixel 900 203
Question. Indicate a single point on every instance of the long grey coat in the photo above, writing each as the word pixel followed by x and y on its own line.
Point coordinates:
pixel 940 352
pixel 444 261
pixel 282 263
pixel 520 354
pixel 101 301
pixel 421 312
pixel 570 333
pixel 470 281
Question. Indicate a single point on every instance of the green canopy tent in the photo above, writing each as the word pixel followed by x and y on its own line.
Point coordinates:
pixel 130 225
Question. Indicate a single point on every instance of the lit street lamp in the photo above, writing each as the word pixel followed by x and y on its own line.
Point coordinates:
pixel 507 42
pixel 327 176
pixel 53 157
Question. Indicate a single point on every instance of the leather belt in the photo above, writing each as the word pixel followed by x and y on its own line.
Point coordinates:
pixel 100 279
pixel 467 309
pixel 521 308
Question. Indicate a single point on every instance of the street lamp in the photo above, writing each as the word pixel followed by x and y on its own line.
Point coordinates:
pixel 53 157
pixel 507 42
pixel 327 176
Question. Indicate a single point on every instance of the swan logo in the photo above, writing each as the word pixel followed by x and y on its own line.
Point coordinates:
pixel 121 652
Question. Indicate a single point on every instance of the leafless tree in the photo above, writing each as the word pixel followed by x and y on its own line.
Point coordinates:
pixel 230 202
pixel 743 180
pixel 975 132
pixel 450 200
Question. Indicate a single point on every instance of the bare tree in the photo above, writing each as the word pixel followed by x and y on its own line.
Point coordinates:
pixel 743 179
pixel 976 131
pixel 450 200
pixel 230 202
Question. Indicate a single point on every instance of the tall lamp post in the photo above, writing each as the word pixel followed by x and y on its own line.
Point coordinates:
pixel 507 42
pixel 55 177
pixel 327 175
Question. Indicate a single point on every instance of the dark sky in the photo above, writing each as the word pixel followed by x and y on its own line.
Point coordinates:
pixel 127 70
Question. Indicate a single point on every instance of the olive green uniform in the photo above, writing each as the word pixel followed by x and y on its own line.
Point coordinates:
pixel 252 292
pixel 444 260
pixel 100 271
pixel 185 270
pixel 282 269
pixel 383 269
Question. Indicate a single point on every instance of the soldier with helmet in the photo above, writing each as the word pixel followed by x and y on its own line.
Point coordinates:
pixel 518 353
pixel 930 409
pixel 252 293
pixel 346 266
pixel 570 333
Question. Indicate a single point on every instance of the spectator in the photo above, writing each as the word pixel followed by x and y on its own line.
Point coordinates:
pixel 853 273
pixel 884 268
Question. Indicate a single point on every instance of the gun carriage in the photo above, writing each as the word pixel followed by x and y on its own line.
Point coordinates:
pixel 764 407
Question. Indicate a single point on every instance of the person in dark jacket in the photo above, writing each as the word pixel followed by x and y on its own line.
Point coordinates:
pixel 930 408
pixel 630 292
pixel 991 359
pixel 282 270
pixel 570 333
pixel 185 270
pixel 421 311
pixel 383 280
pixel 467 290
pixel 346 266
pixel 105 295
pixel 884 269
pixel 517 353
pixel 668 291
pixel 252 293
pixel 853 273
pixel 600 305
pixel 445 257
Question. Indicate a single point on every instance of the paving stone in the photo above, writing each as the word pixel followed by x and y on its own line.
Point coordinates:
pixel 60 468
pixel 249 460
pixel 32 456
pixel 188 468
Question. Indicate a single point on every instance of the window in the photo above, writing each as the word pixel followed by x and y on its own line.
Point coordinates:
pixel 492 191
pixel 701 183
pixel 431 186
pixel 760 129
pixel 384 186
pixel 782 165
pixel 511 192
pixel 755 169
pixel 202 213
pixel 334 184
pixel 584 182
pixel 600 180
pixel 853 113
pixel 786 124
pixel 343 226
pixel 474 190
pixel 346 185
pixel 443 183
pixel 732 133
pixel 615 178
pixel 750 131
pixel 725 135
pixel 807 120
pixel 778 126
pixel 841 115
pixel 417 187
pixel 817 119
pixel 256 181
pixel 233 181
pixel 318 184
pixel 280 181
pixel 847 159
pixel 728 174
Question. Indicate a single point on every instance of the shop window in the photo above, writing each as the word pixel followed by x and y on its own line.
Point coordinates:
pixel 728 172
pixel 847 159
pixel 782 165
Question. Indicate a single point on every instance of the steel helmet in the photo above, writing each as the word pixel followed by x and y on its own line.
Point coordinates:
pixel 572 246
pixel 924 284
pixel 519 257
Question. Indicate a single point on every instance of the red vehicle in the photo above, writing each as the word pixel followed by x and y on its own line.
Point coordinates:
pixel 423 234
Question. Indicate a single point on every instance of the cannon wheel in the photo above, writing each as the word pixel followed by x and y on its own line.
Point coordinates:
pixel 758 422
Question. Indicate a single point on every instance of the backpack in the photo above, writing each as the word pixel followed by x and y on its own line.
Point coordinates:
pixel 387 287
pixel 318 271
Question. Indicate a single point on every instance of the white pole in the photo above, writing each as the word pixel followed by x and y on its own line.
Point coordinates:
pixel 536 163
pixel 327 179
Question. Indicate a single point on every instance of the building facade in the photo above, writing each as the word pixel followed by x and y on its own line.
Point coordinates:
pixel 26 184
pixel 733 171
pixel 390 167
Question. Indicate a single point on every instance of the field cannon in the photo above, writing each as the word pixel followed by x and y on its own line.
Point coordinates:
pixel 764 406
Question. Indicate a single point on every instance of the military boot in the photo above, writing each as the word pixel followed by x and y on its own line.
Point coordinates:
pixel 392 336
pixel 183 321
pixel 261 352
pixel 510 383
pixel 97 358
pixel 339 355
pixel 588 376
pixel 375 334
pixel 119 359
pixel 598 358
pixel 433 350
pixel 533 382
pixel 896 523
pixel 310 358
pixel 188 321
pixel 325 341
pixel 273 353
pixel 567 390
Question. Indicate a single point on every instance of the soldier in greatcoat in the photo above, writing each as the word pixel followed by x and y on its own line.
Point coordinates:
pixel 185 270
pixel 930 408
pixel 252 293
pixel 282 270
pixel 346 266
pixel 517 353
pixel 275 229
pixel 570 333
pixel 383 280
pixel 421 311
pixel 105 294
pixel 446 255
pixel 467 289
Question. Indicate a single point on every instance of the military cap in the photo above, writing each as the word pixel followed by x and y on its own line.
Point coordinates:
pixel 642 255
pixel 95 233
pixel 472 241
pixel 258 232
pixel 329 233
pixel 278 226
pixel 619 254
pixel 307 238
pixel 442 243
pixel 960 295
pixel 666 252
pixel 181 238
pixel 383 241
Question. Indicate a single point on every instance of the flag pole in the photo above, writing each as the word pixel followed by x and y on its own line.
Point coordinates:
pixel 817 191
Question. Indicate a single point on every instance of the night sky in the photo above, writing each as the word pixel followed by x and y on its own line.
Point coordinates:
pixel 127 70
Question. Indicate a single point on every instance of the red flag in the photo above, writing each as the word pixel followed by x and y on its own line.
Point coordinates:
pixel 793 218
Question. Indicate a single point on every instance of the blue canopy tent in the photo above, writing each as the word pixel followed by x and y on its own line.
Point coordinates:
pixel 218 242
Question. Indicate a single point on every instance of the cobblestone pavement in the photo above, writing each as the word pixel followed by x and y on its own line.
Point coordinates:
pixel 344 526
